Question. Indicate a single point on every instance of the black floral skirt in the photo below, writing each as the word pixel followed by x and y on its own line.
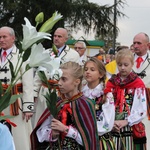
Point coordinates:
pixel 66 144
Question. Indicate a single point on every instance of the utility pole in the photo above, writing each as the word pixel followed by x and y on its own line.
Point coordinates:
pixel 115 20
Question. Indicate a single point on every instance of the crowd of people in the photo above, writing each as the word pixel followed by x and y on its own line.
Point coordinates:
pixel 103 104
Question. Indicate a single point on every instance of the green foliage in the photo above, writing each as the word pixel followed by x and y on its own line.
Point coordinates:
pixel 27 67
pixel 11 70
pixel 54 48
pixel 48 24
pixel 43 77
pixel 19 45
pixel 26 55
pixel 7 94
pixel 14 98
pixel 5 117
pixel 76 13
pixel 7 99
pixel 51 100
pixel 50 96
pixel 1 89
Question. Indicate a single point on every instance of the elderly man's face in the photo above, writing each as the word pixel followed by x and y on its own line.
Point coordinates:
pixel 6 40
pixel 79 48
pixel 140 45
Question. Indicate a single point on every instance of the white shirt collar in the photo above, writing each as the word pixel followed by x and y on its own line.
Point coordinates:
pixel 93 93
pixel 8 50
pixel 143 57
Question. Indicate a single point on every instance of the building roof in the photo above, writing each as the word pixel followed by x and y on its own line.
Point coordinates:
pixel 95 43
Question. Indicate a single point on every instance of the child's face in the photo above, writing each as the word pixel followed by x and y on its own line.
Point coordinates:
pixel 125 66
pixel 67 83
pixel 91 73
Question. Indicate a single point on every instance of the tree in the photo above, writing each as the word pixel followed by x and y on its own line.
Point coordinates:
pixel 76 13
pixel 109 37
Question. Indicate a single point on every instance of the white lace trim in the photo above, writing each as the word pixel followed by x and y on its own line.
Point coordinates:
pixel 93 93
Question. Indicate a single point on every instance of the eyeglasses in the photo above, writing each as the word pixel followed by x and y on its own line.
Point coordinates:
pixel 78 47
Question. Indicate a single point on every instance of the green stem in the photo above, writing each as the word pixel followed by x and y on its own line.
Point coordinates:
pixel 59 146
pixel 48 148
pixel 20 57
pixel 15 80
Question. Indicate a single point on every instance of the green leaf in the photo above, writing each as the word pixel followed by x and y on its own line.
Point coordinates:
pixel 19 45
pixel 53 100
pixel 8 99
pixel 1 89
pixel 11 70
pixel 26 55
pixel 42 76
pixel 54 49
pixel 27 67
pixel 48 105
pixel 14 98
pixel 6 117
pixel 4 102
pixel 47 96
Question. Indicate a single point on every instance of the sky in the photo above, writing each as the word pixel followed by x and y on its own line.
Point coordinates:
pixel 137 20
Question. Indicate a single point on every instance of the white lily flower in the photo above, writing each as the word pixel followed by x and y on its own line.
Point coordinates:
pixel 52 64
pixel 31 36
pixel 40 57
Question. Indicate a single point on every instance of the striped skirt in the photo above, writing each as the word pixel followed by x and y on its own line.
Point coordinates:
pixel 125 141
pixel 106 142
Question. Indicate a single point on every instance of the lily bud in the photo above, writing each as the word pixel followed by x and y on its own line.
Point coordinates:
pixel 39 18
pixel 48 25
pixel 54 49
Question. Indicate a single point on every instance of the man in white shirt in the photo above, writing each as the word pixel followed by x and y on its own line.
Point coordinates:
pixel 66 54
pixel 23 107
pixel 142 68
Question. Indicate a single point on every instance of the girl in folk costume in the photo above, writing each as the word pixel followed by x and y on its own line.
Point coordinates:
pixel 75 126
pixel 95 75
pixel 130 104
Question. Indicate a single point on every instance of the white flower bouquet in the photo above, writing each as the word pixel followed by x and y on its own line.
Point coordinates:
pixel 31 50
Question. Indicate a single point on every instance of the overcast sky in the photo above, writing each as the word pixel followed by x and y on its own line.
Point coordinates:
pixel 138 20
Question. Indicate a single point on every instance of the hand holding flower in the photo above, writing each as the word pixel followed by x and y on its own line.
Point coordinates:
pixel 55 134
pixel 57 125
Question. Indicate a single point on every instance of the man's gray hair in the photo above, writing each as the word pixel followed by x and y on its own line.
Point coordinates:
pixel 10 30
pixel 83 43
